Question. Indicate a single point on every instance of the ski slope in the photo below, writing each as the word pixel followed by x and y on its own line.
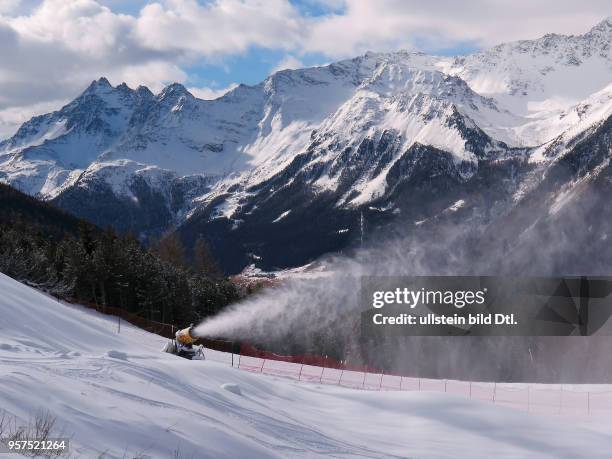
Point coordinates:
pixel 117 394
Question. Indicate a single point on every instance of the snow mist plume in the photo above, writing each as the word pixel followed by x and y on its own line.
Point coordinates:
pixel 297 308
pixel 321 314
pixel 302 305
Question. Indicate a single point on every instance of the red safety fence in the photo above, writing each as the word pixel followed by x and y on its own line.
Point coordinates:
pixel 303 359
pixel 545 399
pixel 157 328
pixel 575 400
pixel 219 345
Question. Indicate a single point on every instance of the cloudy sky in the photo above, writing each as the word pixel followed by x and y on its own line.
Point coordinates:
pixel 51 49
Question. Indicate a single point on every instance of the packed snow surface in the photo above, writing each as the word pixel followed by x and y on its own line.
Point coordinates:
pixel 118 394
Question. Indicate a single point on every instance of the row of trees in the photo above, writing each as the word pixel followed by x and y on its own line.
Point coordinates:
pixel 90 265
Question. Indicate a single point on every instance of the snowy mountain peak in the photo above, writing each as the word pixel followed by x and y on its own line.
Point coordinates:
pixel 124 88
pixel 100 95
pixel 604 26
pixel 400 77
pixel 175 91
pixel 101 85
pixel 144 91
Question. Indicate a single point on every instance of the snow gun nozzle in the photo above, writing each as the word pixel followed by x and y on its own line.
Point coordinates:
pixel 186 335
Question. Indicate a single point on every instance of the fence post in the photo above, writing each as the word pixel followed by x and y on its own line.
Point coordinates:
pixel 118 324
pixel 419 384
pixel 340 380
pixel 494 390
pixel 239 355
pixel 470 390
pixel 588 403
pixel 382 374
pixel 445 384
pixel 301 368
pixel 262 365
pixel 364 377
pixel 401 381
pixel 528 399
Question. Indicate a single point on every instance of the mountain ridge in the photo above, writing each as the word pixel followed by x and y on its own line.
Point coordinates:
pixel 331 134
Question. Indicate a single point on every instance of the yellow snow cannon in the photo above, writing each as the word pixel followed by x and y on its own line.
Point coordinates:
pixel 185 336
pixel 182 345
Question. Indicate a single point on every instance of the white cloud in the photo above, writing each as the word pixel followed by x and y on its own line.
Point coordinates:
pixel 11 118
pixel 8 6
pixel 153 74
pixel 288 63
pixel 52 51
pixel 220 27
pixel 211 93
pixel 390 24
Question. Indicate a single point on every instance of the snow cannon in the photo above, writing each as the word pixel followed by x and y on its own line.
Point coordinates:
pixel 185 336
pixel 183 345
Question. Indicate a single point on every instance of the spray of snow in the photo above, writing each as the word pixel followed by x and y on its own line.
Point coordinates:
pixel 304 312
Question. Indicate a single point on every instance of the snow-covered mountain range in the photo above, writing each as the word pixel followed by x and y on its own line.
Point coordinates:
pixel 305 152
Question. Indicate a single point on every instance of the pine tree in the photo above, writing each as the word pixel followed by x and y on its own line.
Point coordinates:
pixel 203 260
pixel 171 249
pixel 73 259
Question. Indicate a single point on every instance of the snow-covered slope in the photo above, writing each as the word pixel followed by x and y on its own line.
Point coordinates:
pixel 117 394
